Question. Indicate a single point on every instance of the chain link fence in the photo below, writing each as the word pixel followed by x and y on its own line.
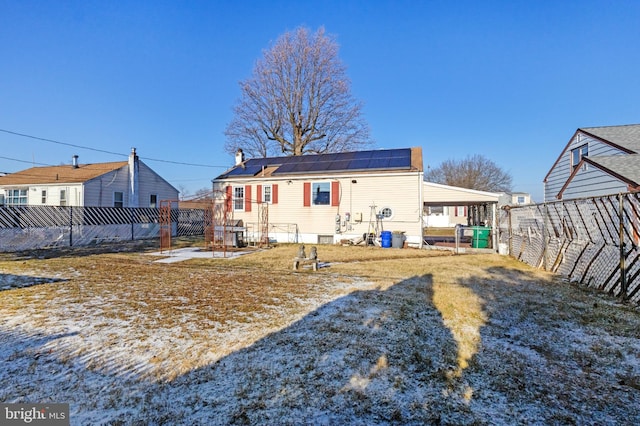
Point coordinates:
pixel 36 227
pixel 591 241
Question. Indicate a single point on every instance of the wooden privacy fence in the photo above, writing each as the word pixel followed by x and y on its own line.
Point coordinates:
pixel 591 241
pixel 34 227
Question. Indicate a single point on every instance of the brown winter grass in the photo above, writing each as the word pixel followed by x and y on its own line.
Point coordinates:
pixel 202 303
pixel 132 296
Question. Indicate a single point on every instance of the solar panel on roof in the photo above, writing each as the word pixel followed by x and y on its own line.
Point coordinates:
pixel 339 165
pixel 358 164
pixel 399 162
pixel 359 160
pixel 379 154
pixel 246 171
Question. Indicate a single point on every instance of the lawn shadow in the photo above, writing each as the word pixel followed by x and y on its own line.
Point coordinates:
pixel 21 356
pixel 368 357
pixel 377 356
pixel 544 357
pixel 11 281
pixel 100 247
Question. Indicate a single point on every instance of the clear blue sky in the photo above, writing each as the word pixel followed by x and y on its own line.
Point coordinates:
pixel 511 80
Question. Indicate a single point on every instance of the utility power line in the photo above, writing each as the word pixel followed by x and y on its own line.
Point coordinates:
pixel 100 150
pixel 24 161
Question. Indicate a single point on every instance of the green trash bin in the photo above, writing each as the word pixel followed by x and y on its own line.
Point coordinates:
pixel 480 238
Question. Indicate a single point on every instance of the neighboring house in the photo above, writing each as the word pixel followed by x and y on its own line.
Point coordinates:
pixel 448 206
pixel 118 184
pixel 514 199
pixel 202 201
pixel 597 161
pixel 327 198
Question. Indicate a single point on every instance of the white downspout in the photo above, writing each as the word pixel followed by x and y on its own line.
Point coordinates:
pixel 134 169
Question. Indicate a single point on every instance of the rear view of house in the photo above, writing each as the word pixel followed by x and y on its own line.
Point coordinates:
pixel 328 198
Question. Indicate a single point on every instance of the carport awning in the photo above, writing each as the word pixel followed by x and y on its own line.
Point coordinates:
pixel 436 194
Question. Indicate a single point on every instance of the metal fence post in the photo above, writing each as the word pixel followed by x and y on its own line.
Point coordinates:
pixel 623 272
pixel 509 221
pixel 132 226
pixel 545 217
pixel 70 226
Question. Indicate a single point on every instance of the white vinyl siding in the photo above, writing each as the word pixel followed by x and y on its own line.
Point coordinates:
pixel 99 191
pixel 356 198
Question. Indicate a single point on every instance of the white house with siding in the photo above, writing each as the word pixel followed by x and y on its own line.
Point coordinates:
pixel 597 161
pixel 327 198
pixel 116 184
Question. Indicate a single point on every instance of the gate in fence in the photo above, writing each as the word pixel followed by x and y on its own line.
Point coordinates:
pixel 591 241
pixel 35 227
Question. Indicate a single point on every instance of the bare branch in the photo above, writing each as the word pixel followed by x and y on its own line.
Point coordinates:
pixel 297 101
pixel 474 172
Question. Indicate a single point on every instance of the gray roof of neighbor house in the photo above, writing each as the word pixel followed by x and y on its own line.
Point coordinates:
pixel 409 159
pixel 626 137
pixel 623 167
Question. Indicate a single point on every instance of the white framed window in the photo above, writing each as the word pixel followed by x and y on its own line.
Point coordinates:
pixel 16 197
pixel 267 191
pixel 238 198
pixel 118 199
pixel 321 193
pixel 577 154
pixel 153 200
pixel 63 197
pixel 520 199
pixel 44 196
pixel 461 211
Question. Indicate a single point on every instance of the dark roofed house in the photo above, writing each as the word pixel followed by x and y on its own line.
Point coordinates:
pixel 326 198
pixel 597 161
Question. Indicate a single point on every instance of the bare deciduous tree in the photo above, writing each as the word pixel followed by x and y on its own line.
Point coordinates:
pixel 297 101
pixel 474 172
